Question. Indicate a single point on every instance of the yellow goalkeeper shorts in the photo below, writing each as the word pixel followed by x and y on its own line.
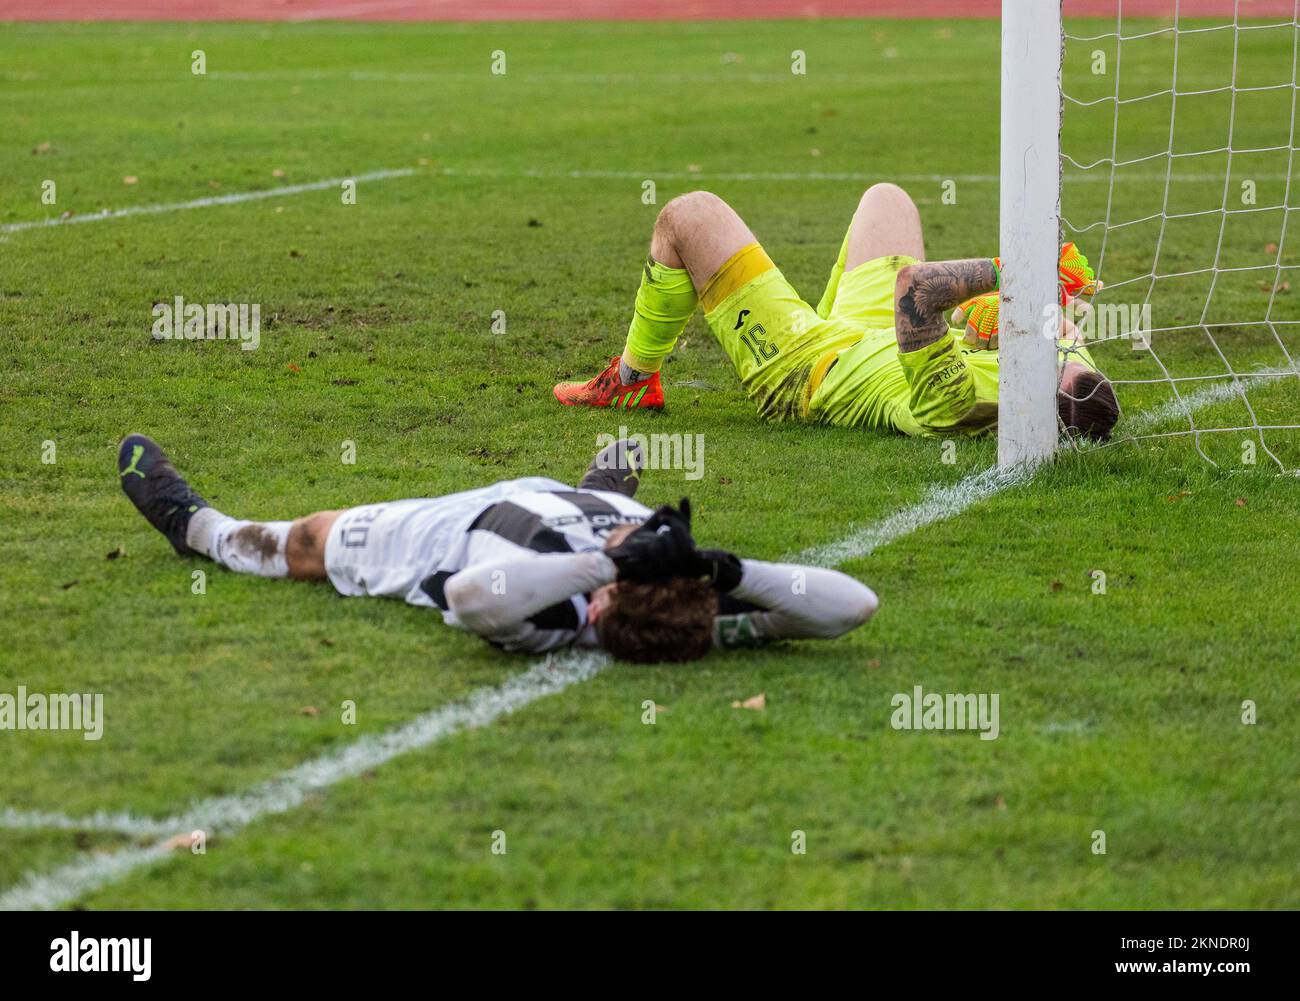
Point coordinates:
pixel 778 344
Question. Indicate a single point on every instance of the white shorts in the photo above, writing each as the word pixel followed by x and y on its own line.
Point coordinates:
pixel 389 549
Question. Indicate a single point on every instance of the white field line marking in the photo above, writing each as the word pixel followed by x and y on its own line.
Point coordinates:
pixel 226 815
pixel 585 79
pixel 877 70
pixel 202 203
pixel 1216 392
pixel 859 177
pixel 945 502
pixel 45 892
pixel 939 504
pixel 117 823
pixel 799 176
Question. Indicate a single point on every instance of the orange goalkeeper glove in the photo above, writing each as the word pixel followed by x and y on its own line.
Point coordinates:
pixel 1075 274
pixel 979 315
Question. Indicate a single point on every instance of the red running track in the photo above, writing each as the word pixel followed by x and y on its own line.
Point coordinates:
pixel 556 10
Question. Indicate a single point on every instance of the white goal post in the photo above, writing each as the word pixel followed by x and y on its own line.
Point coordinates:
pixel 1029 227
pixel 1161 136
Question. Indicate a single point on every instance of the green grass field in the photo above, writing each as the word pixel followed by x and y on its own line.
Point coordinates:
pixel 1120 712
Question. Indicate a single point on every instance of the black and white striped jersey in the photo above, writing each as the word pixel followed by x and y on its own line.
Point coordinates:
pixel 514 562
pixel 534 522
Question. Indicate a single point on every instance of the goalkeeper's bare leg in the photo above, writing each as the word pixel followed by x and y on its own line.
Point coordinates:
pixel 886 223
pixel 695 235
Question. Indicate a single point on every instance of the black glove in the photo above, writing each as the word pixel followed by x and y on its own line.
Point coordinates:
pixel 719 567
pixel 659 548
pixel 662 547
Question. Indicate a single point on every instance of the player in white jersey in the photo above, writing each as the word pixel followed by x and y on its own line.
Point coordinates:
pixel 530 564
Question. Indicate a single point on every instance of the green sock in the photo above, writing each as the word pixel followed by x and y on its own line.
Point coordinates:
pixel 664 303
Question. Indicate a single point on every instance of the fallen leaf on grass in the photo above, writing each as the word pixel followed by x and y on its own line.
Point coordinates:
pixel 130 179
pixel 1241 502
pixel 277 172
pixel 308 711
pixel 758 701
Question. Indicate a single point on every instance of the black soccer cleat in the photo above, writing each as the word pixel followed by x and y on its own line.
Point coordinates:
pixel 157 490
pixel 617 467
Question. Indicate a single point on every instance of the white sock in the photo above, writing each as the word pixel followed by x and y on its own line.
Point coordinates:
pixel 256 547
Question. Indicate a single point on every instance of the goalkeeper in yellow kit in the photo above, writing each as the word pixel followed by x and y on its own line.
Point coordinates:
pixel 878 351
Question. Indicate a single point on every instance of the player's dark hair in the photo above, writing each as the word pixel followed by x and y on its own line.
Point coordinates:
pixel 670 620
pixel 1088 408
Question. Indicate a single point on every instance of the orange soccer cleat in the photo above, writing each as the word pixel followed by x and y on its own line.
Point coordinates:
pixel 607 390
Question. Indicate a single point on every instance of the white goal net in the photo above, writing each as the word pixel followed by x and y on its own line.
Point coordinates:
pixel 1177 149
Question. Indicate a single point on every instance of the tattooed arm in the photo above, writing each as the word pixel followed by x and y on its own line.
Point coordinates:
pixel 924 292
